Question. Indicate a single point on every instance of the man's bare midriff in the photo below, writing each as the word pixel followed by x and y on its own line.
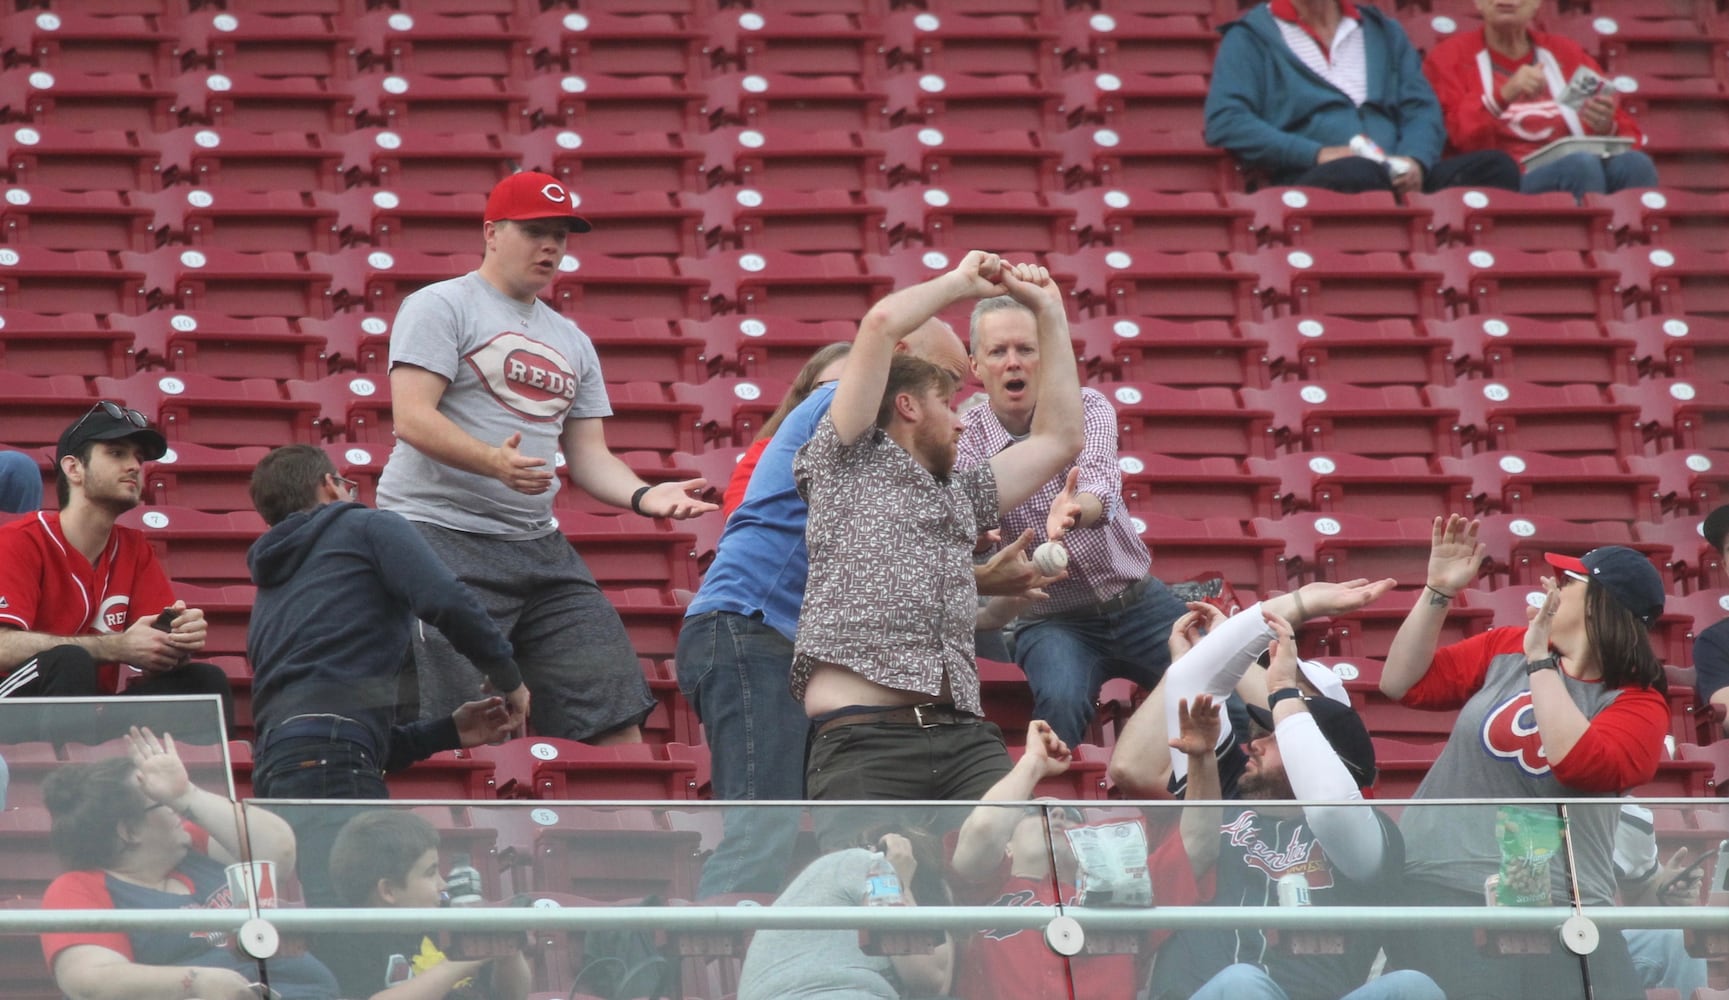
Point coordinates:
pixel 834 687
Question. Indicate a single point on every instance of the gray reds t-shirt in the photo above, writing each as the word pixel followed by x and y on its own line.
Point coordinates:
pixel 512 366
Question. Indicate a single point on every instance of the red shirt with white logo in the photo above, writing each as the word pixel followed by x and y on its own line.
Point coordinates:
pixel 46 585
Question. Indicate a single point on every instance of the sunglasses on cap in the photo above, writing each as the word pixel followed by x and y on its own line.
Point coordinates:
pixel 114 411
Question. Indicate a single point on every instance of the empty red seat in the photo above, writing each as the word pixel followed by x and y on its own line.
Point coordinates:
pixel 1361 352
pixel 199 477
pixel 1508 605
pixel 613 853
pixel 1400 767
pixel 1376 421
pixel 1337 483
pixel 756 99
pixel 996 101
pixel 598 284
pixel 810 39
pixel 204 410
pixel 733 409
pixel 604 102
pixel 960 157
pixel 1153 220
pixel 645 349
pixel 1516 543
pixel 84 100
pixel 1139 100
pixel 354 408
pixel 447 774
pixel 1343 546
pixel 771 158
pixel 67 39
pixel 646 418
pixel 1571 419
pixel 376 280
pixel 960 41
pixel 1312 217
pixel 625 771
pixel 1690 347
pixel 36 409
pixel 1689 483
pixel 250 221
pixel 480 43
pixel 1369 633
pixel 1210 486
pixel 1679 413
pixel 81 160
pixel 199 547
pixel 1189 422
pixel 264 103
pixel 214 279
pixel 1365 286
pixel 1168 39
pixel 295 43
pixel 352 340
pixel 1692 562
pixel 1668 218
pixel 483 104
pixel 1174 161
pixel 1554 285
pixel 799 221
pixel 1205 352
pixel 227 610
pixel 826 286
pixel 383 218
pixel 1673 282
pixel 406 161
pixel 51 343
pixel 1703 609
pixel 1717 755
pixel 1488 217
pixel 1186 548
pixel 72 220
pixel 611 161
pixel 766 346
pixel 227 158
pixel 1139 282
pixel 1016 221
pixel 623 550
pixel 631 41
pixel 1595 487
pixel 1533 350
pixel 39 280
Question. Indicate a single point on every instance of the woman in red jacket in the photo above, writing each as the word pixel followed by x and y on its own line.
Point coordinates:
pixel 1498 90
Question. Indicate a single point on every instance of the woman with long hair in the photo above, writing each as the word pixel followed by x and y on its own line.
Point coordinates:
pixel 823 367
pixel 1570 706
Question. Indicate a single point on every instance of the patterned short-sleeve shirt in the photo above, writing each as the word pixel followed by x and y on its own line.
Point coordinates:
pixel 891 594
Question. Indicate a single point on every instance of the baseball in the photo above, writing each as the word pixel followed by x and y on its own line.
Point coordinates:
pixel 1051 558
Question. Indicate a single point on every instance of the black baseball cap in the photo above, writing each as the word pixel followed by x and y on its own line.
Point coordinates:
pixel 109 421
pixel 1344 730
pixel 1628 577
pixel 1716 527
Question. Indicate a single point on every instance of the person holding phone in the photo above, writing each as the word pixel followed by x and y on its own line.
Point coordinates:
pixel 82 600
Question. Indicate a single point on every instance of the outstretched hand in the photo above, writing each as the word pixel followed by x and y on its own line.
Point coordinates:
pixel 1542 621
pixel 1049 754
pixel 1011 572
pixel 1065 510
pixel 1322 599
pixel 161 773
pixel 676 500
pixel 1197 726
pixel 1282 666
pixel 1455 554
pixel 1189 629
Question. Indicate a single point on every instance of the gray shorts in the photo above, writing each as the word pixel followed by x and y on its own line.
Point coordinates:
pixel 570 643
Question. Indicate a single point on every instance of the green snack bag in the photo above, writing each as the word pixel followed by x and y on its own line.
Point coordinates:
pixel 1529 839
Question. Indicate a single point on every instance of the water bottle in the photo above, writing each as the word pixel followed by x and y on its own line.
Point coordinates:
pixel 463 882
pixel 882 883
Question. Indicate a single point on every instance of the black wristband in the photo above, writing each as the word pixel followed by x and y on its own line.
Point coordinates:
pixel 636 500
pixel 1282 694
pixel 1546 663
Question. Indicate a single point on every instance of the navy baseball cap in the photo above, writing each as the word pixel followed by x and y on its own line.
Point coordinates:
pixel 1716 527
pixel 108 421
pixel 1344 730
pixel 1628 577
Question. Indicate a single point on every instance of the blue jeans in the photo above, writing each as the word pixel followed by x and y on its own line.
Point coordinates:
pixel 316 768
pixel 20 483
pixel 1067 660
pixel 1251 982
pixel 735 672
pixel 1587 173
pixel 1661 960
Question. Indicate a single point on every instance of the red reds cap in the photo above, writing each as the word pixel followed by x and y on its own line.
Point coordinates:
pixel 534 195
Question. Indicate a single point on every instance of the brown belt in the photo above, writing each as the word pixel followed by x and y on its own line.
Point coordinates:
pixel 924 716
pixel 1109 606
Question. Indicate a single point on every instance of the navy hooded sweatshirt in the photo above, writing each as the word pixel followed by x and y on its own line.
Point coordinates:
pixel 339 587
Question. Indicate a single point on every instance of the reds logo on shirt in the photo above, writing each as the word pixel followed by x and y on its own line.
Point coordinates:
pixel 1510 733
pixel 1533 121
pixel 526 376
pixel 111 616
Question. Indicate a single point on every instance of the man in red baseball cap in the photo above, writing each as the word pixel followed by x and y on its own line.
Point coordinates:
pixel 489 384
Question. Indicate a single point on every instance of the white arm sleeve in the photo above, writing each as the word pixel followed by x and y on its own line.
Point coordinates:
pixel 1351 835
pixel 1214 666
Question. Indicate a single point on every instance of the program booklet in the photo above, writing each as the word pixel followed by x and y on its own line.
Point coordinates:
pixel 1600 145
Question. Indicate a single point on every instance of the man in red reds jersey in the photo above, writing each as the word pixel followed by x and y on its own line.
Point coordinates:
pixel 80 596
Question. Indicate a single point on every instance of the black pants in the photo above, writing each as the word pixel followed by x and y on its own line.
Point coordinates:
pixel 317 768
pixel 71 672
pixel 1488 168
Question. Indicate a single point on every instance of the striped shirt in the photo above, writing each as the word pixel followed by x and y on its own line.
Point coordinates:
pixel 1345 65
pixel 1104 558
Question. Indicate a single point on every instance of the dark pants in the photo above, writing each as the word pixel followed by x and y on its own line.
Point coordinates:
pixel 1452 959
pixel 316 767
pixel 1488 168
pixel 71 672
pixel 883 760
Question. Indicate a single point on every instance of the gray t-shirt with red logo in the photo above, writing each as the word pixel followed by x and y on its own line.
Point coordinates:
pixel 512 366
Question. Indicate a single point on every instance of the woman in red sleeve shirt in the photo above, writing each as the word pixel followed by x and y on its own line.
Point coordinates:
pixel 1570 706
pixel 1498 89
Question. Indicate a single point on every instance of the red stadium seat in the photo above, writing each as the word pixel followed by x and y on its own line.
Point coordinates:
pixel 1692 563
pixel 193 476
pixel 1668 218
pixel 201 409
pixel 227 158
pixel 1141 100
pixel 638 41
pixel 1673 282
pixel 774 347
pixel 758 99
pixel 441 104
pixel 1152 220
pixel 1336 483
pixel 777 283
pixel 1690 347
pixel 376 280
pixel 50 343
pixel 352 341
pixel 1516 347
pixel 1377 422
pixel 1214 486
pixel 565 770
pixel 264 103
pixel 447 774
pixel 202 548
pixel 73 220
pixel 69 98
pixel 1312 217
pixel 1400 767
pixel 645 349
pixel 1594 487
pixel 610 161
pixel 38 280
pixel 1164 40
pixel 360 464
pixel 1493 218
pixel 994 102
pixel 1018 221
pixel 1361 352
pixel 353 408
pixel 645 418
pixel 976 42
pixel 1516 544
pixel 601 102
pixel 228 610
pixel 1689 614
pixel 797 159
pixel 1717 755
pixel 1569 419
pixel 1355 285
pixel 1554 285
pixel 67 39
pixel 1341 546
pixel 480 43
pixel 1186 548
pixel 1679 413
pixel 613 853
pixel 213 279
pixel 733 409
pixel 283 44
pixel 81 160
pixel 1173 285
pixel 1201 353
pixel 594 284
pixel 1689 483
pixel 780 38
pixel 623 550
pixel 239 220
pixel 408 161
pixel 1190 423
pixel 1508 605
pixel 1177 161
pixel 797 221
pixel 955 156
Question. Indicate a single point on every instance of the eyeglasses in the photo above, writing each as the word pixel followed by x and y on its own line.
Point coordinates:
pixel 114 412
pixel 350 485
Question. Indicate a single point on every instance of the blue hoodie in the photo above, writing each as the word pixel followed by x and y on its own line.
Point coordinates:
pixel 339 587
pixel 1270 111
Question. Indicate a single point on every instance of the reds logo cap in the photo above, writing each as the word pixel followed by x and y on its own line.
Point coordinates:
pixel 534 195
pixel 1628 576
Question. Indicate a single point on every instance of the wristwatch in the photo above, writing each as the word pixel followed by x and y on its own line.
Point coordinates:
pixel 1550 662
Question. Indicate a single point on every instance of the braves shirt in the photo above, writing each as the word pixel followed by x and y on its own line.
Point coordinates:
pixel 513 367
pixel 1496 752
pixel 48 586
